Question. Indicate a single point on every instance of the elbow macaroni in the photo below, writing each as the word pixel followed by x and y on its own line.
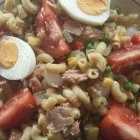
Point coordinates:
pixel 98 60
pixel 30 7
pixel 71 97
pixel 83 65
pixel 93 73
pixel 101 47
pixel 117 93
pixel 45 58
pixel 48 104
pixel 21 11
pixel 81 94
pixel 10 6
pixel 56 68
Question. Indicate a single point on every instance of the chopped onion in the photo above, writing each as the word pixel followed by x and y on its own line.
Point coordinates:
pixel 39 96
pixel 130 31
pixel 68 36
pixel 53 79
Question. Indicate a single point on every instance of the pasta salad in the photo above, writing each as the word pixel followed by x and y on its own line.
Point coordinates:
pixel 68 73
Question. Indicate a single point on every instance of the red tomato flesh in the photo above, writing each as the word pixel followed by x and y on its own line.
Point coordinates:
pixel 125 58
pixel 120 123
pixel 19 109
pixel 77 45
pixel 135 39
pixel 47 26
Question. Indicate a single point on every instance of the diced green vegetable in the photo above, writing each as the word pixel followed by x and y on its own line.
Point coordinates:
pixel 68 36
pixel 131 101
pixel 91 132
pixel 106 39
pixel 108 69
pixel 78 54
pixel 30 19
pixel 128 85
pixel 118 9
pixel 89 45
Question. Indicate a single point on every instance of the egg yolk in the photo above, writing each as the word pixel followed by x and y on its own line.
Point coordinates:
pixel 93 7
pixel 8 54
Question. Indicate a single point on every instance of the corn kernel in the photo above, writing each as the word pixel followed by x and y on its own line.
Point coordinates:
pixel 107 82
pixel 72 62
pixel 34 41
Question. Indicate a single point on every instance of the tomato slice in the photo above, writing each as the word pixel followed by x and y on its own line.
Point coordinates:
pixel 48 27
pixel 135 39
pixel 19 109
pixel 77 45
pixel 125 58
pixel 121 123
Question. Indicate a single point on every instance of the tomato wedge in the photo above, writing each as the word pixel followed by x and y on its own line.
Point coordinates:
pixel 121 123
pixel 47 26
pixel 135 39
pixel 19 109
pixel 125 58
pixel 77 45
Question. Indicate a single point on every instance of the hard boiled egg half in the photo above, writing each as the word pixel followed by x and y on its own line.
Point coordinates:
pixel 94 12
pixel 17 59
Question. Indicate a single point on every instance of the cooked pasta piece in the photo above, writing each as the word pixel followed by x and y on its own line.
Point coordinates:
pixel 99 101
pixel 83 64
pixel 55 136
pixel 116 45
pixel 98 60
pixel 126 20
pixel 48 104
pixel 117 93
pixel 82 96
pixel 30 7
pixel 42 120
pixel 15 25
pixel 71 97
pixel 26 133
pixel 21 11
pixel 56 68
pixel 103 110
pixel 10 6
pixel 44 58
pixel 101 47
pixel 36 133
pixel 4 17
pixel 93 73
pixel 53 93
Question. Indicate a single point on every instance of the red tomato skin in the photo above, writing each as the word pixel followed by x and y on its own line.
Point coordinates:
pixel 17 110
pixel 48 27
pixel 77 45
pixel 125 59
pixel 135 39
pixel 114 125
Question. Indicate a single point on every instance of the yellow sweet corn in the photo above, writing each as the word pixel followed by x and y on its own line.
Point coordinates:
pixel 72 62
pixel 34 41
pixel 107 82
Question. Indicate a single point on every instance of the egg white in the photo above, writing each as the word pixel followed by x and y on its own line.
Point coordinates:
pixel 72 9
pixel 25 64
